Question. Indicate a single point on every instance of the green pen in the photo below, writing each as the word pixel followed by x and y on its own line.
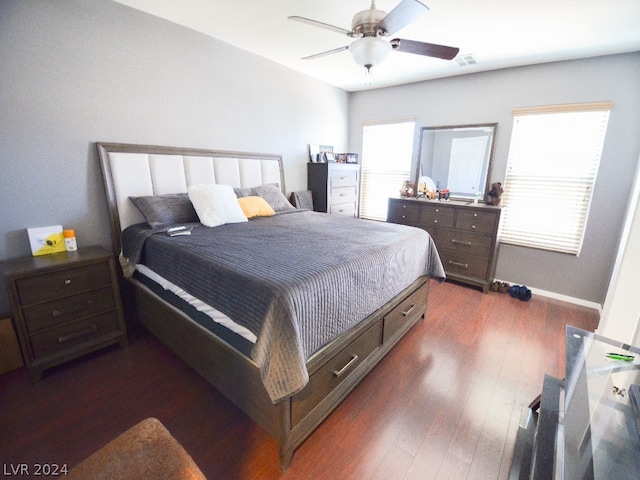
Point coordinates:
pixel 620 356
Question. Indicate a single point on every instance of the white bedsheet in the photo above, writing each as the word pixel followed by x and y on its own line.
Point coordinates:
pixel 208 310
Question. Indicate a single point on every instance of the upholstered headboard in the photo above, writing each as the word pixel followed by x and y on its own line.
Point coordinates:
pixel 138 170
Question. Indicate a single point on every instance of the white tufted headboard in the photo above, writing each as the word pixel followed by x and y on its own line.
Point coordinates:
pixel 135 170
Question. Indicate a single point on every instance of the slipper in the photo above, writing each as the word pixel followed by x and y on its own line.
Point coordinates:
pixel 524 294
pixel 504 287
pixel 520 292
pixel 494 286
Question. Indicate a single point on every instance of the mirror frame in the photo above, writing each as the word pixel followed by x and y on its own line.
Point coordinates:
pixel 487 186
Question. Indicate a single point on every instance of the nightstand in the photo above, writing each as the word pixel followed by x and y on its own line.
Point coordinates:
pixel 65 305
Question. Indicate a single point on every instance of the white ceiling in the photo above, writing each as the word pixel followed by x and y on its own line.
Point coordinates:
pixel 497 33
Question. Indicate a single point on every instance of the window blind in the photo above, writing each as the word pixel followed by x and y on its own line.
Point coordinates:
pixel 387 148
pixel 552 166
pixel 553 162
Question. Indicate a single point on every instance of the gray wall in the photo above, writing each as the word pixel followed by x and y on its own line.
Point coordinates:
pixel 74 72
pixel 491 97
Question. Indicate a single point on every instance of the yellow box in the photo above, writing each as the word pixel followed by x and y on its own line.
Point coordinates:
pixel 10 354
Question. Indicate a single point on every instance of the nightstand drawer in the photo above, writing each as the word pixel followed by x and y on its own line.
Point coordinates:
pixel 476 221
pixel 49 314
pixel 345 178
pixel 68 335
pixel 49 286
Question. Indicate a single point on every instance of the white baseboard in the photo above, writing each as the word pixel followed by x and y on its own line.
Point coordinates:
pixel 564 298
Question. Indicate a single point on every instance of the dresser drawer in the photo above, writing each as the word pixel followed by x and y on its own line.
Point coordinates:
pixel 343 195
pixel 476 221
pixel 407 312
pixel 464 264
pixel 68 308
pixel 459 241
pixel 49 286
pixel 433 215
pixel 403 212
pixel 345 178
pixel 58 339
pixel 334 372
pixel 348 209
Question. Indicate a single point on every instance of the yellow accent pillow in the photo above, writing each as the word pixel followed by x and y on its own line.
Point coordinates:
pixel 255 207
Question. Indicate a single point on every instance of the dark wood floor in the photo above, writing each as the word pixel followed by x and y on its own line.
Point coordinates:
pixel 444 404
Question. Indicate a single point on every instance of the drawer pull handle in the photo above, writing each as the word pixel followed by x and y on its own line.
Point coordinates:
pixel 460 242
pixel 73 308
pixel 435 221
pixel 473 226
pixel 81 333
pixel 67 282
pixel 339 373
pixel 411 308
pixel 458 264
pixel 475 214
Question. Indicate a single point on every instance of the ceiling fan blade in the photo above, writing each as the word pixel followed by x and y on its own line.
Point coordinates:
pixel 405 12
pixel 427 49
pixel 328 52
pixel 326 26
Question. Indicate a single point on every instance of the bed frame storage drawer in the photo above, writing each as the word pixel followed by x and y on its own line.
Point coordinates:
pixel 334 372
pixel 405 314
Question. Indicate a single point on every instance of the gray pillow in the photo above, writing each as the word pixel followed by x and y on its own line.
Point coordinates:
pixel 166 210
pixel 273 195
pixel 242 192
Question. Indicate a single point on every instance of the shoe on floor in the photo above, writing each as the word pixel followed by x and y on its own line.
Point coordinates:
pixel 504 287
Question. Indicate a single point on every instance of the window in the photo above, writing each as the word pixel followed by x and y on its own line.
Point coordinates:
pixel 553 160
pixel 387 149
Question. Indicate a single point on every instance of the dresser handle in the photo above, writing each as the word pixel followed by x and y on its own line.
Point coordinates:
pixel 67 282
pixel 473 227
pixel 339 373
pixel 475 214
pixel 72 308
pixel 81 333
pixel 458 264
pixel 435 221
pixel 411 308
pixel 460 242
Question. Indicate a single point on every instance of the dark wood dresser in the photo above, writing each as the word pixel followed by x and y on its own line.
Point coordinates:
pixel 64 305
pixel 335 187
pixel 466 235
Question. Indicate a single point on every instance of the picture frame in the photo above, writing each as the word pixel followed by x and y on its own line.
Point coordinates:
pixel 329 157
pixel 351 158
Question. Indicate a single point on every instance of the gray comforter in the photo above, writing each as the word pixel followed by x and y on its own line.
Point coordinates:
pixel 296 280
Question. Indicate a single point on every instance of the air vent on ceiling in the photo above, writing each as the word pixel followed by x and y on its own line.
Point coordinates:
pixel 465 59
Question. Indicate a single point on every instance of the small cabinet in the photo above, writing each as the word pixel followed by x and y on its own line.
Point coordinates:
pixel 335 187
pixel 466 235
pixel 65 305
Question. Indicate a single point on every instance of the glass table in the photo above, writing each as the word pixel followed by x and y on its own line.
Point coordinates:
pixel 586 426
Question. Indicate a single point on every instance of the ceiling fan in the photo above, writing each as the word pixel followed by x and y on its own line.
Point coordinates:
pixel 371 28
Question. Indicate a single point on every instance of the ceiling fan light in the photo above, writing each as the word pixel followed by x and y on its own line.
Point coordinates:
pixel 369 51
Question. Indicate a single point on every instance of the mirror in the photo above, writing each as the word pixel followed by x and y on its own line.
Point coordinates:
pixel 457 158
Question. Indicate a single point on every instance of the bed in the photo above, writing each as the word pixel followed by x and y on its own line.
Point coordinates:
pixel 284 312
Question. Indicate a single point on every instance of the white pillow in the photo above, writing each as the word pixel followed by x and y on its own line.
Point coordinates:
pixel 215 204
